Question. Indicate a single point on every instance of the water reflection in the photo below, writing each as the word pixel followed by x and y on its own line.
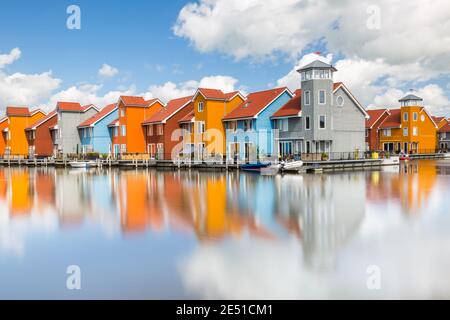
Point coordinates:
pixel 223 235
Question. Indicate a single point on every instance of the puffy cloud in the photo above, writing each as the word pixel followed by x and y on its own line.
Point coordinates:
pixel 107 71
pixel 170 90
pixel 6 59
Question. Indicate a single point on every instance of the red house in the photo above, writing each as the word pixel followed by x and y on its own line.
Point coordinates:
pixel 39 135
pixel 377 117
pixel 160 126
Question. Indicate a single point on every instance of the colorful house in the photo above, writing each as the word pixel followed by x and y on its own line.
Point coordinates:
pixel 39 136
pixel 444 137
pixel 160 128
pixel 210 106
pixel 65 134
pixel 377 117
pixel 3 134
pixel 249 126
pixel 410 129
pixel 94 133
pixel 323 119
pixel 127 131
pixel 14 135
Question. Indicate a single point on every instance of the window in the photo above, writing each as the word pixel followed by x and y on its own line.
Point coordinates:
pixel 307 123
pixel 322 122
pixel 405 116
pixel 150 130
pixel 248 125
pixel 160 130
pixel 322 97
pixel 405 132
pixel 284 125
pixel 415 131
pixel 200 107
pixel 367 133
pixel 116 131
pixel 387 132
pixel 151 149
pixel 124 131
pixel 340 101
pixel 232 125
pixel 122 113
pixel 201 127
pixel 307 98
pixel 123 148
pixel 415 116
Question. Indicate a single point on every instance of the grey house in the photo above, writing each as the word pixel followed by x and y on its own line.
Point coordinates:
pixel 65 135
pixel 323 118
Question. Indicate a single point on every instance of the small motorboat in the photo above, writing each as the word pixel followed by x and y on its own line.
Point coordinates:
pixel 254 167
pixel 404 157
pixel 83 164
pixel 271 170
pixel 293 165
pixel 391 161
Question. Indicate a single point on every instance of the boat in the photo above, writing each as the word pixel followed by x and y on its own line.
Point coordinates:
pixel 271 170
pixel 255 167
pixel 404 157
pixel 293 165
pixel 83 164
pixel 391 161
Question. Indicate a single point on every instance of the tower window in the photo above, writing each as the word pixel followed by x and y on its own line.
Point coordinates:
pixel 322 122
pixel 415 116
pixel 322 97
pixel 405 116
pixel 307 123
pixel 307 98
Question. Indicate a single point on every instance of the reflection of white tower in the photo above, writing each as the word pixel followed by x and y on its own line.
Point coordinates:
pixel 328 210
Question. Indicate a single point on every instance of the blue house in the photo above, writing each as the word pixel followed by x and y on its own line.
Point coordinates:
pixel 94 133
pixel 249 127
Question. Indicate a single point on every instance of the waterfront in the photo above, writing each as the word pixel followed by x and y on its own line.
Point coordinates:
pixel 150 234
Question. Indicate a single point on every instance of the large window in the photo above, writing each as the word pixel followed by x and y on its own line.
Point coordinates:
pixel 387 132
pixel 307 98
pixel 160 130
pixel 322 122
pixel 201 127
pixel 282 125
pixel 322 97
pixel 232 125
pixel 248 125
pixel 124 131
pixel 307 123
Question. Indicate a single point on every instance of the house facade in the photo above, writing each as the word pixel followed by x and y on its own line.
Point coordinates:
pixel 410 129
pixel 377 117
pixel 65 135
pixel 249 128
pixel 444 137
pixel 39 136
pixel 3 135
pixel 160 129
pixel 322 118
pixel 19 118
pixel 95 134
pixel 128 135
pixel 210 107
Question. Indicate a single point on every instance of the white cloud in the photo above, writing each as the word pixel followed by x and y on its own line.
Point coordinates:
pixel 6 59
pixel 107 71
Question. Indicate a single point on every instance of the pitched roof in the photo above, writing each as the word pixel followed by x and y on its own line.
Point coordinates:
pixel 438 119
pixel 114 123
pixel 99 116
pixel 215 94
pixel 375 115
pixel 40 122
pixel 317 65
pixel 17 111
pixel 410 97
pixel 173 106
pixel 393 120
pixel 255 103
pixel 445 128
pixel 188 118
pixel 69 106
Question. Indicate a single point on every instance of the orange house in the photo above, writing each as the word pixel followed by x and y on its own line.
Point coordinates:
pixel 208 131
pixel 128 135
pixel 410 129
pixel 14 135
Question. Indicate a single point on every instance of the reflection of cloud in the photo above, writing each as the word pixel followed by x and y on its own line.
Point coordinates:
pixel 412 261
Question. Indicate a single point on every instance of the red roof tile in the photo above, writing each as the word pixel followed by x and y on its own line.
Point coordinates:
pixel 17 111
pixel 438 119
pixel 133 101
pixel 375 115
pixel 172 107
pixel 393 121
pixel 42 121
pixel 103 113
pixel 215 94
pixel 292 108
pixel 254 104
pixel 445 128
pixel 69 106
pixel 188 118
pixel 113 123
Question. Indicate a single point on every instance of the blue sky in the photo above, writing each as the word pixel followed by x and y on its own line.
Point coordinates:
pixel 237 44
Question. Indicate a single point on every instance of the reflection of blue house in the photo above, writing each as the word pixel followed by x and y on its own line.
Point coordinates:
pixel 94 133
pixel 249 127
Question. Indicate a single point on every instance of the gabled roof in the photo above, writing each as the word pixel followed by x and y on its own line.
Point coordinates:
pixel 114 123
pixel 375 115
pixel 190 117
pixel 255 103
pixel 445 128
pixel 69 106
pixel 438 119
pixel 173 107
pixel 40 122
pixel 317 65
pixel 215 94
pixel 17 111
pixel 99 116
pixel 340 85
pixel 132 101
pixel 393 120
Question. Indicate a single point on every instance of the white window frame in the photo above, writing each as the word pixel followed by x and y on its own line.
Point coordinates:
pixel 307 98
pixel 324 97
pixel 405 116
pixel 387 132
pixel 248 125
pixel 405 130
pixel 123 130
pixel 415 116
pixel 201 106
pixel 201 127
pixel 415 131
pixel 160 130
pixel 325 122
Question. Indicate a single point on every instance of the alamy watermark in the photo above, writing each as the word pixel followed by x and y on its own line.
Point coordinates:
pixel 73 281
pixel 73 22
pixel 374 279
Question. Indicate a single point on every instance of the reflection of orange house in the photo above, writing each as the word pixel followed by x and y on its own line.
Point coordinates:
pixel 20 194
pixel 127 131
pixel 45 189
pixel 19 118
pixel 410 129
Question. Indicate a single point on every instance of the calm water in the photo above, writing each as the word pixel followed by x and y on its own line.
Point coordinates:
pixel 148 234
